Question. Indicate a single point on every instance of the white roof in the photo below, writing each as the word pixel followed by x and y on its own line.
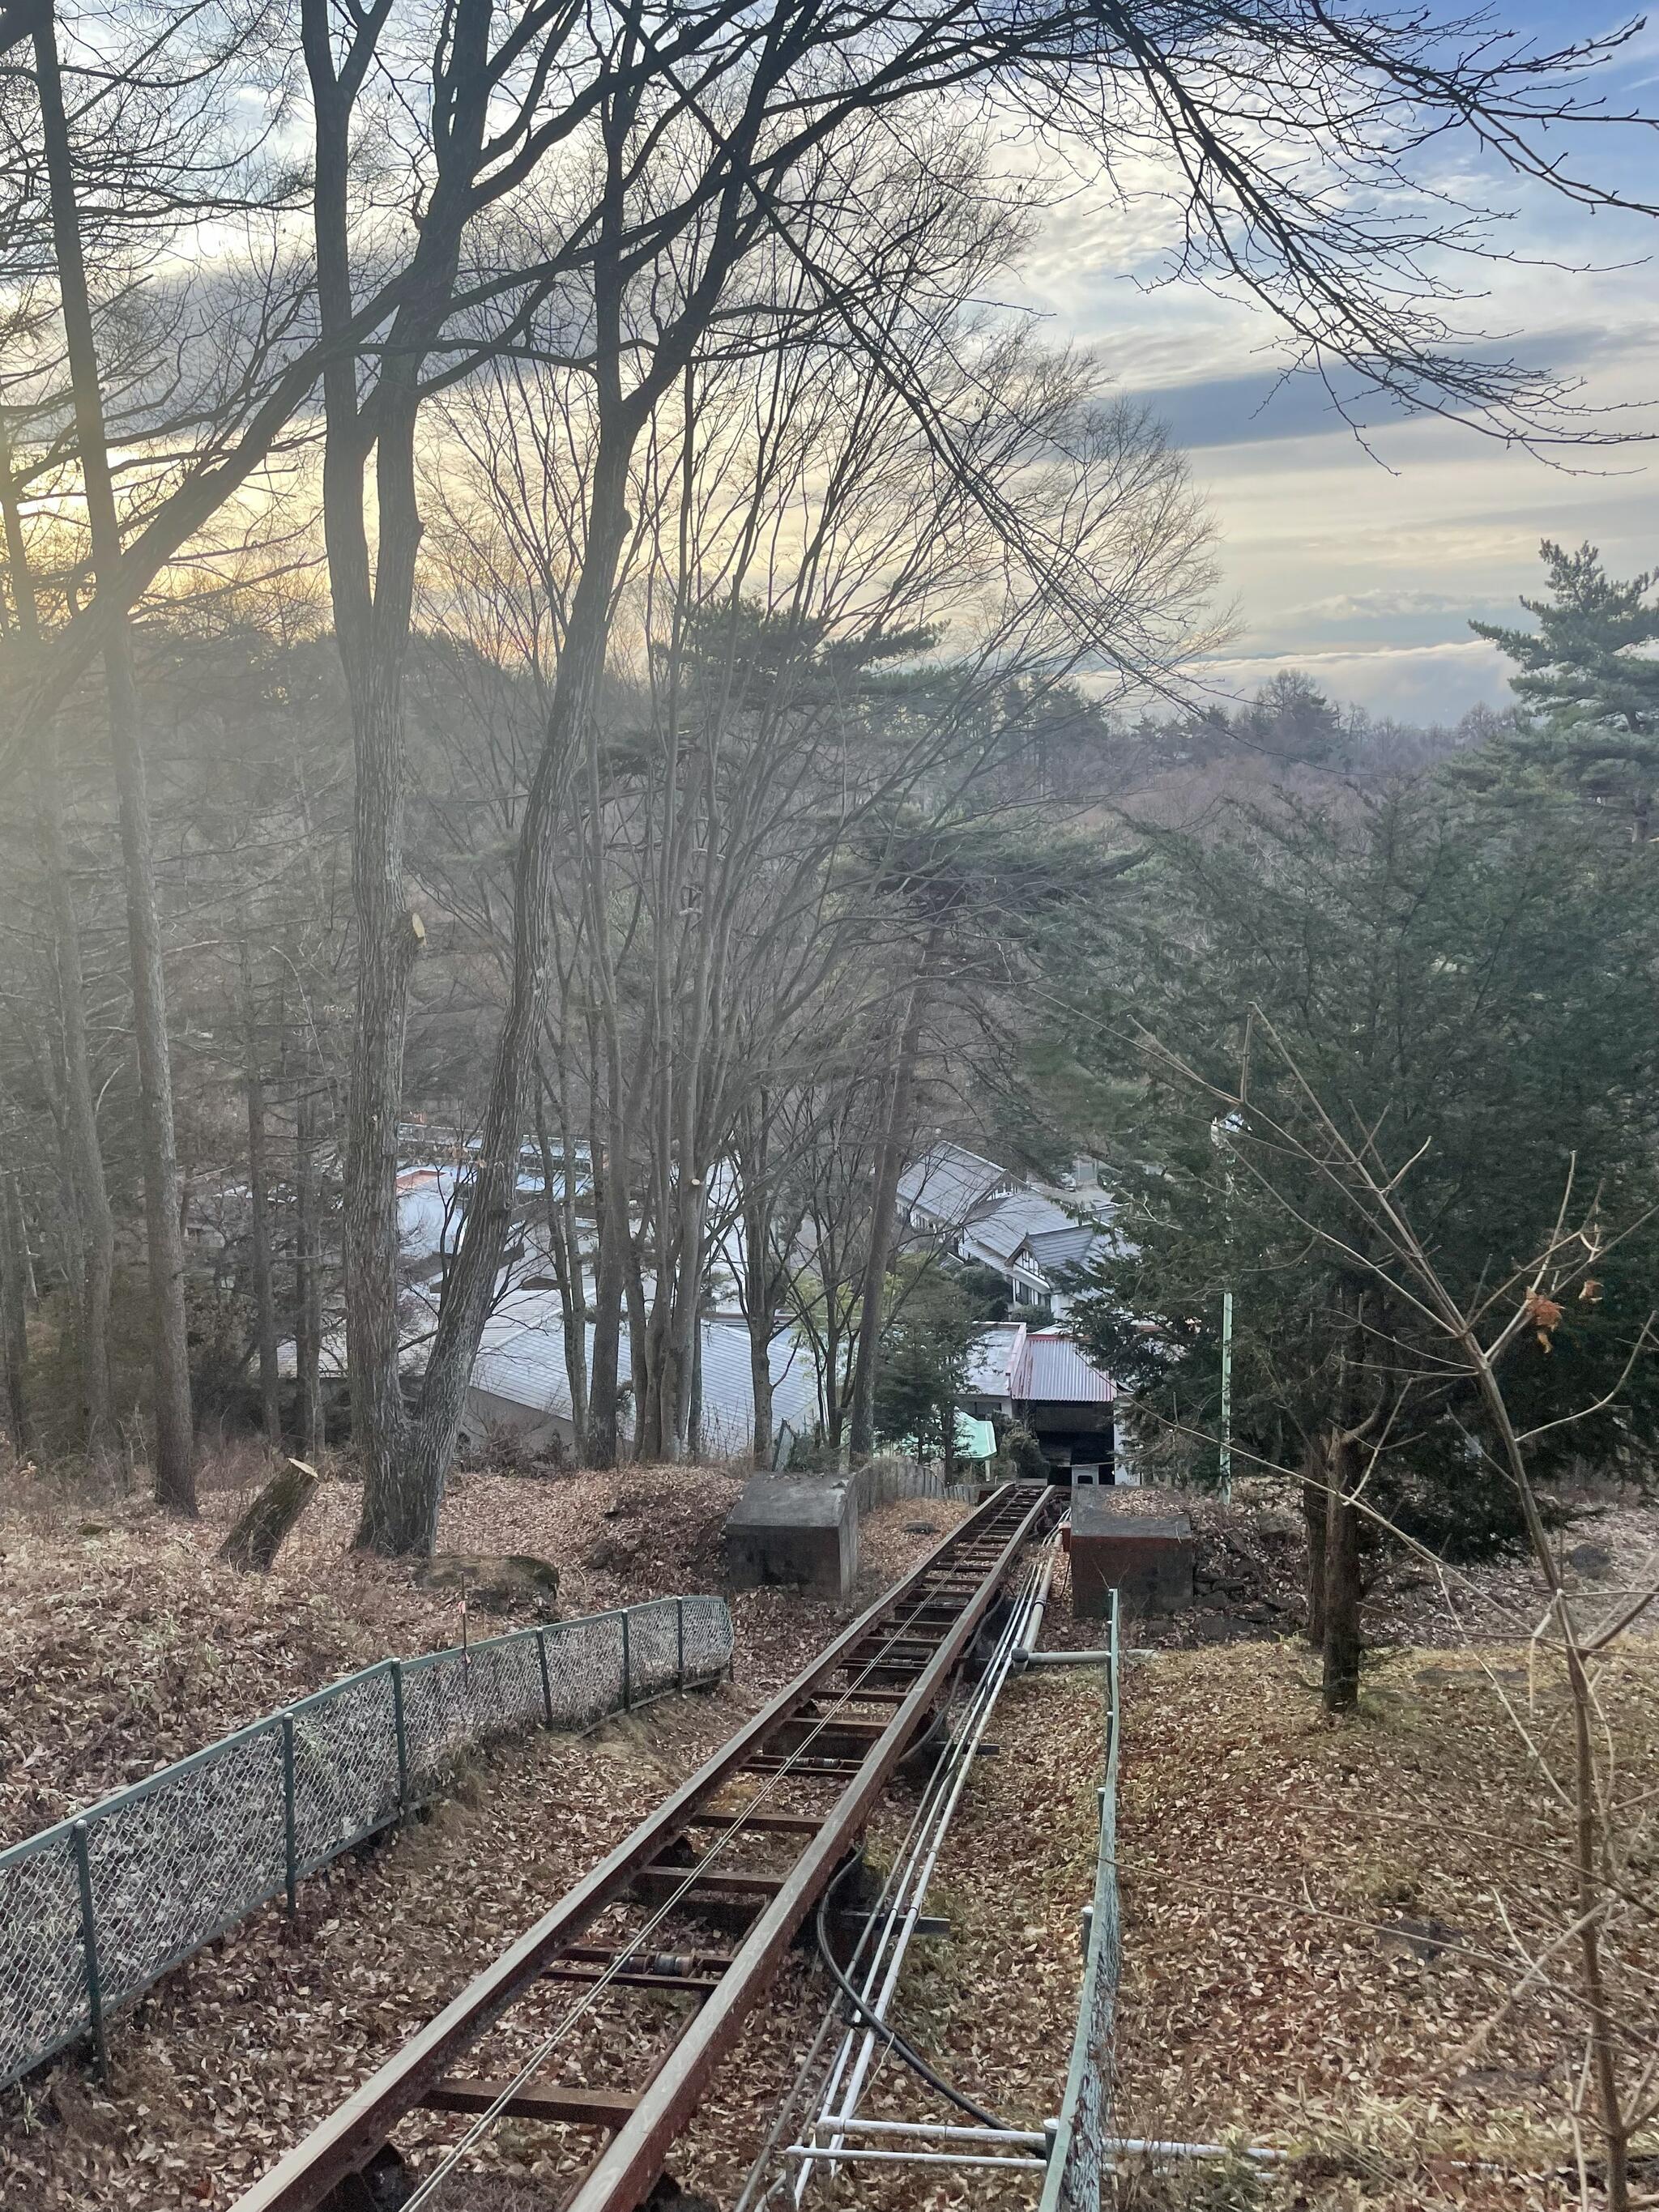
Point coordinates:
pixel 994 1359
pixel 951 1183
pixel 521 1358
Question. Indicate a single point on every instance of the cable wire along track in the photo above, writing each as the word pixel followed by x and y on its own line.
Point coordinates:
pixel 685 1923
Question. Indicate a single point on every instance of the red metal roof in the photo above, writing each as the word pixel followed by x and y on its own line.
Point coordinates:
pixel 1053 1369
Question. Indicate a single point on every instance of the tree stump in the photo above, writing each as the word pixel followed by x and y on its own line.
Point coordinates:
pixel 258 1536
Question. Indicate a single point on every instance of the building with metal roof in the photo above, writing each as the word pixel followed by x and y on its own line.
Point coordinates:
pixel 949 1187
pixel 1054 1250
pixel 1040 1379
pixel 985 1214
pixel 521 1379
pixel 1052 1371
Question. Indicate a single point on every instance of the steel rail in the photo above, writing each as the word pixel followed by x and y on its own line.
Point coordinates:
pixel 762 2183
pixel 694 1876
pixel 628 2166
pixel 951 1584
pixel 909 1884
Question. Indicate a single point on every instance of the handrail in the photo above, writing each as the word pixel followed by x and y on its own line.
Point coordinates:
pixel 1078 2159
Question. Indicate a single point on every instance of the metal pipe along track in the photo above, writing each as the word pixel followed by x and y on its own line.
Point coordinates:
pixel 750 1843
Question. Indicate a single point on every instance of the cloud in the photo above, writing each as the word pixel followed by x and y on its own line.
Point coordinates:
pixel 1378 606
pixel 1264 404
pixel 1367 574
pixel 1411 683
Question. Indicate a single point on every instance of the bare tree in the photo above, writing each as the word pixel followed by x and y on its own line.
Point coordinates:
pixel 94 1218
pixel 258 1195
pixel 593 190
pixel 1370 1231
pixel 175 1473
pixel 14 1315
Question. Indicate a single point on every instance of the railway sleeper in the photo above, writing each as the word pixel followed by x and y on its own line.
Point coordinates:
pixel 556 2104
pixel 349 2162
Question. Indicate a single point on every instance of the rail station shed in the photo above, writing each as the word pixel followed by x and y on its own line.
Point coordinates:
pixel 1040 1379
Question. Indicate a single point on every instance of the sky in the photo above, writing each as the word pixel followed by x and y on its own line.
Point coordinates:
pixel 1363 567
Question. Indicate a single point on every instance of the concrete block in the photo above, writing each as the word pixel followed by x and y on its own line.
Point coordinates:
pixel 1148 1560
pixel 798 1530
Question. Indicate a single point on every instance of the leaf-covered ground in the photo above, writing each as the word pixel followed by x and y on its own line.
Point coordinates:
pixel 1320 1917
pixel 1323 1917
pixel 124 1645
pixel 1251 1571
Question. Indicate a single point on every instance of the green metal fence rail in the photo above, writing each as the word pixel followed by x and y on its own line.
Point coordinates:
pixel 94 1909
pixel 1078 2179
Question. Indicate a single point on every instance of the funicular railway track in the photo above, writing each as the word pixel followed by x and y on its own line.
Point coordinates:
pixel 745 1847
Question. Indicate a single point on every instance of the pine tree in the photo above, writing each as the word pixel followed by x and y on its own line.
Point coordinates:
pixel 1474 984
pixel 1587 689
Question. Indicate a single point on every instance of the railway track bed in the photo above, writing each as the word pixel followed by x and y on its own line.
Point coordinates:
pixel 688 1921
pixel 991 2002
pixel 228 2064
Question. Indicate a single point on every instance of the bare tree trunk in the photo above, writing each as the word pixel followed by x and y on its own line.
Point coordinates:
pixel 494 1187
pixel 834 1398
pixel 1342 1642
pixel 649 1355
pixel 264 1296
pixel 260 1531
pixel 373 602
pixel 680 1380
pixel 759 1281
pixel 307 1274
pixel 639 1350
pixel 388 937
pixel 611 1185
pixel 694 1407
pixel 14 1313
pixel 1315 1512
pixel 94 1212
pixel 175 1473
pixel 760 1382
pixel 603 1394
pixel 566 1255
pixel 93 1217
pixel 884 1211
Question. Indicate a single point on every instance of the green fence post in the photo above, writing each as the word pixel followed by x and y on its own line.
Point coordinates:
pixel 89 1949
pixel 680 1644
pixel 628 1664
pixel 290 1831
pixel 403 1735
pixel 547 1679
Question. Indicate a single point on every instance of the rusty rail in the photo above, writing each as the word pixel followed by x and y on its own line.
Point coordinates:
pixel 829 1743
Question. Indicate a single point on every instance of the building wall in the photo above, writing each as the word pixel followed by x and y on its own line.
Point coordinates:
pixel 1073 1434
pixel 482 1409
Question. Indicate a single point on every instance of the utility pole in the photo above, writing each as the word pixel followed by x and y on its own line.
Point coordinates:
pixel 1226 1394
pixel 1220 1129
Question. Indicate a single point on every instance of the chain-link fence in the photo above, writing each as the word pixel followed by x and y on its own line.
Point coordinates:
pixel 93 1911
pixel 1078 2174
